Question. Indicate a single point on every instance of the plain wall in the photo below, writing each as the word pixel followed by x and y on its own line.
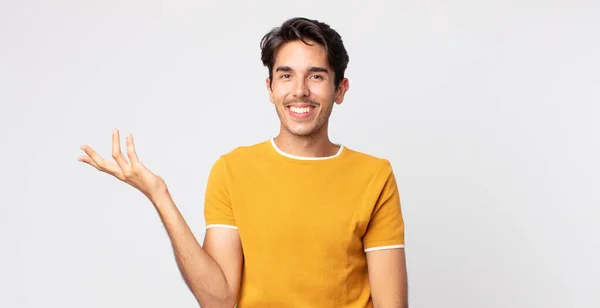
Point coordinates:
pixel 488 111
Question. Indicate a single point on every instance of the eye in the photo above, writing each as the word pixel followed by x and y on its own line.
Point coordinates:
pixel 318 77
pixel 286 76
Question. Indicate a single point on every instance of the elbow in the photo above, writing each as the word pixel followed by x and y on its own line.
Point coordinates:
pixel 216 303
pixel 392 306
pixel 216 300
pixel 395 304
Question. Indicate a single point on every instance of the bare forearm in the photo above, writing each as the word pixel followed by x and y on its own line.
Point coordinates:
pixel 201 273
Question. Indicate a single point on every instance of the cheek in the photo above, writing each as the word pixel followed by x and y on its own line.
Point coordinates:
pixel 321 90
pixel 279 94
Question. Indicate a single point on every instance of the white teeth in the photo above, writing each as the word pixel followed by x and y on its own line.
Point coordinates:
pixel 300 109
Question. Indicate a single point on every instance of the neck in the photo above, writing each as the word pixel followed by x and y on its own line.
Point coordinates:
pixel 317 145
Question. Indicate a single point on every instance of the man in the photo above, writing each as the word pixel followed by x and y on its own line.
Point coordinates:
pixel 294 221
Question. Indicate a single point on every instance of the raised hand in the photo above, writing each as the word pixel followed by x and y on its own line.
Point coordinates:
pixel 132 172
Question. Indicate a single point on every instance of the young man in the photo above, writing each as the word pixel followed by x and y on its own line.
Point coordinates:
pixel 294 221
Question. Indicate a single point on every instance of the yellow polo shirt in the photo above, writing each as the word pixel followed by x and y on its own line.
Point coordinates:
pixel 305 223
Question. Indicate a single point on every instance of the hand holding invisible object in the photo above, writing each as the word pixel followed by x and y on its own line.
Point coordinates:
pixel 132 172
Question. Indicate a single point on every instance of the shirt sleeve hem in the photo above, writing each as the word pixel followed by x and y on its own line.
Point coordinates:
pixel 228 226
pixel 381 245
pixel 400 246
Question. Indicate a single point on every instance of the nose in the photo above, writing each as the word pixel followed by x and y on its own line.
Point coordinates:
pixel 301 88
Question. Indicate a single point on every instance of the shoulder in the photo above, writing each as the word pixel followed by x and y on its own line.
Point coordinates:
pixel 243 154
pixel 367 161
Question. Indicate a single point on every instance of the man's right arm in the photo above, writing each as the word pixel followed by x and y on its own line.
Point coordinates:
pixel 212 273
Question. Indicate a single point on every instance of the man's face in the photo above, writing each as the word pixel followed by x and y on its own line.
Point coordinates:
pixel 303 89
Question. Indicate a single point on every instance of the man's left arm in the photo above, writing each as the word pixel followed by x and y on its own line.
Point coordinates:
pixel 388 278
pixel 384 243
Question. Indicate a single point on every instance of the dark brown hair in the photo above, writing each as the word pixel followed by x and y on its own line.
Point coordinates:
pixel 305 29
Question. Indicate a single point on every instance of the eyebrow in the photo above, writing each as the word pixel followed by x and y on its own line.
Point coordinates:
pixel 311 69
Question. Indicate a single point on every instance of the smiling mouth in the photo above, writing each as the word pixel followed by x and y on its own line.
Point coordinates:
pixel 301 110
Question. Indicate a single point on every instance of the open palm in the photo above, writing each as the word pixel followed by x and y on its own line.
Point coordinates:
pixel 132 172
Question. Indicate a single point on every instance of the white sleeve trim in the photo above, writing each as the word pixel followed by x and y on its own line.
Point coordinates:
pixel 221 226
pixel 384 247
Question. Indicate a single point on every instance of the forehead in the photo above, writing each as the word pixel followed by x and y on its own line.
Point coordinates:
pixel 298 55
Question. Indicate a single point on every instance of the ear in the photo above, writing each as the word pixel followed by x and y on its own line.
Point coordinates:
pixel 341 91
pixel 268 84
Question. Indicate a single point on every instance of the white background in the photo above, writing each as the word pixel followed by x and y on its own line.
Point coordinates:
pixel 488 110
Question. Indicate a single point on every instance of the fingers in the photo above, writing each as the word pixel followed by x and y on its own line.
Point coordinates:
pixel 117 154
pixel 88 160
pixel 94 160
pixel 122 169
pixel 133 158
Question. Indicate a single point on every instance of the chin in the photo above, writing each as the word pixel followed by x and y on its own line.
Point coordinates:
pixel 302 130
